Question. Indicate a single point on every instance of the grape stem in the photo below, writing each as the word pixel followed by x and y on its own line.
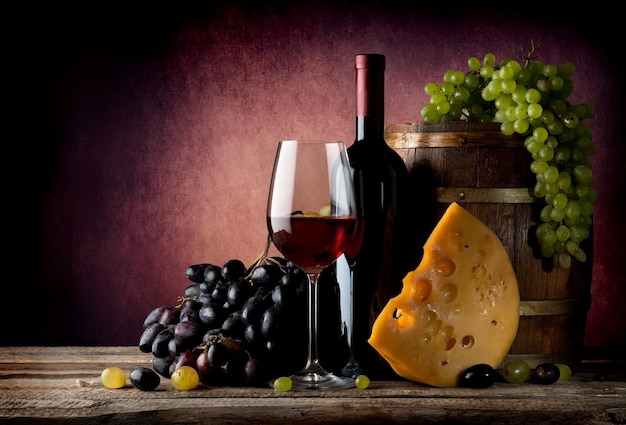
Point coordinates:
pixel 528 56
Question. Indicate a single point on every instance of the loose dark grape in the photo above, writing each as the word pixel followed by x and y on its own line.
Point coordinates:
pixel 195 272
pixel 148 335
pixel 546 374
pixel 145 379
pixel 478 376
pixel 154 316
pixel 233 270
pixel 601 376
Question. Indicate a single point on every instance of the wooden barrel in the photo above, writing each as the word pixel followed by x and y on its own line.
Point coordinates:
pixel 488 173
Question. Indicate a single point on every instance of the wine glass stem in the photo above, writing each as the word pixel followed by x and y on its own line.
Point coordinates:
pixel 312 362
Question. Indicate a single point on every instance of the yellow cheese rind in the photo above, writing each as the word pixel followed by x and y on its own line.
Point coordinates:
pixel 458 308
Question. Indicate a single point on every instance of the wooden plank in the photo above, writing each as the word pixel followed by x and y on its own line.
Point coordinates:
pixel 52 385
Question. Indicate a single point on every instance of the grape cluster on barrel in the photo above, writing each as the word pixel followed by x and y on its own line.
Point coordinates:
pixel 531 99
pixel 233 325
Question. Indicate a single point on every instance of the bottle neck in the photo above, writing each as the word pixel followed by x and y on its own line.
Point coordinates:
pixel 370 97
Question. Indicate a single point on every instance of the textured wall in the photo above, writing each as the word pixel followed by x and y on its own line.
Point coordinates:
pixel 145 139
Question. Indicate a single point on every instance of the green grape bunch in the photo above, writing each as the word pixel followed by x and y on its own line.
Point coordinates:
pixel 530 98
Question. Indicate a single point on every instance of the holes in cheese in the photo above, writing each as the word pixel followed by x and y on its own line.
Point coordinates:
pixel 458 308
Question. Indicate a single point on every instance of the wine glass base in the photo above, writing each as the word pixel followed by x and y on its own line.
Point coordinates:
pixel 320 381
pixel 351 369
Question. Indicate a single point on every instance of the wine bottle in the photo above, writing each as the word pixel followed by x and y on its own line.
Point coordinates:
pixel 381 180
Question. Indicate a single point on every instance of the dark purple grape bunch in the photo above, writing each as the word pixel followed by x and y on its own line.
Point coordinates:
pixel 235 326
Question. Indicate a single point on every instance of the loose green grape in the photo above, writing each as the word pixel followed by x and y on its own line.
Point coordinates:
pixel 565 370
pixel 113 377
pixel 362 382
pixel 516 371
pixel 282 384
pixel 185 378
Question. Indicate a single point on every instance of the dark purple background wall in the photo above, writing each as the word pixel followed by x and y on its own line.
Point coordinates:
pixel 142 141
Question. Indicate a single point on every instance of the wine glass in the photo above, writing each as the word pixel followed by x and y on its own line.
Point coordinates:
pixel 312 219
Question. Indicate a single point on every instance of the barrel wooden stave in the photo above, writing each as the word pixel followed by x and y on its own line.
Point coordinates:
pixel 478 167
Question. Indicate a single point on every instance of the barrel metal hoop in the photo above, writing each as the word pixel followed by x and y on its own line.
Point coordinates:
pixel 554 307
pixel 484 195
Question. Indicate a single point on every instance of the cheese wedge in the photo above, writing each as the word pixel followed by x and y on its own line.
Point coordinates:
pixel 458 308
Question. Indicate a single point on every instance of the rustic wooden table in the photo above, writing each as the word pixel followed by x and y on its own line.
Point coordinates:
pixel 50 385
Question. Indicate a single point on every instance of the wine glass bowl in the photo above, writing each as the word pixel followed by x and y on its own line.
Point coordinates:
pixel 312 220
